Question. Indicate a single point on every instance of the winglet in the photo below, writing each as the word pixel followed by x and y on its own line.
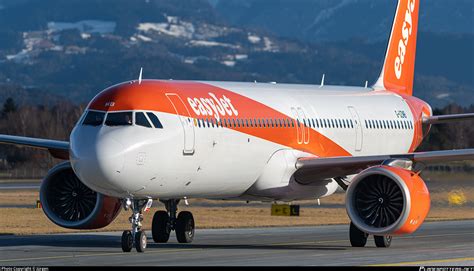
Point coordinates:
pixel 399 66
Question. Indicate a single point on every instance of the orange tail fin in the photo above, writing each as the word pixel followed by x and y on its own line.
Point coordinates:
pixel 399 66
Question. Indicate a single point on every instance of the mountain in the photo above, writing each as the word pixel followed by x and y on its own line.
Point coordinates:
pixel 76 48
pixel 330 20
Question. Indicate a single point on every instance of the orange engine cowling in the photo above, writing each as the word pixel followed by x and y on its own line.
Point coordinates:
pixel 68 203
pixel 386 200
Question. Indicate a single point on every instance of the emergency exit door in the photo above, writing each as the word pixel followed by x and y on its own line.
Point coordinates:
pixel 358 135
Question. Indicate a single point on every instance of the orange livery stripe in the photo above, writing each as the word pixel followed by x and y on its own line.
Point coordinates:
pixel 210 102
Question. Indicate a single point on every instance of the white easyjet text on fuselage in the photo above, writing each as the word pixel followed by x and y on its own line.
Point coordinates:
pixel 213 106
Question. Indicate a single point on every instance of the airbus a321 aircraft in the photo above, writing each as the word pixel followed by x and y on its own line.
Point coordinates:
pixel 166 140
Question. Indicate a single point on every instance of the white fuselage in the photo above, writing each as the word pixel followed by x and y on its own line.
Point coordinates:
pixel 220 162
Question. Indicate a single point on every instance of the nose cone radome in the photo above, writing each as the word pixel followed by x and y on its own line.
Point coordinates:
pixel 98 163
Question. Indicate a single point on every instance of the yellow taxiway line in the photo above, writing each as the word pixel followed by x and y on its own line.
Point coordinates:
pixel 426 262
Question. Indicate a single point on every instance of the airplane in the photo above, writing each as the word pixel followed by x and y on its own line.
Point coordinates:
pixel 167 140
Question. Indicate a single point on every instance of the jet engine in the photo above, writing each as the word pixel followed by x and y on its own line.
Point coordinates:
pixel 385 200
pixel 69 203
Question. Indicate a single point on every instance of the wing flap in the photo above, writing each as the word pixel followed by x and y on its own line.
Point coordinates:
pixel 312 169
pixel 58 149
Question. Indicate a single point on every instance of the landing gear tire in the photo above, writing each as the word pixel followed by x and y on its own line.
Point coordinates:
pixel 160 227
pixel 383 241
pixel 140 241
pixel 136 237
pixel 185 227
pixel 127 241
pixel 357 237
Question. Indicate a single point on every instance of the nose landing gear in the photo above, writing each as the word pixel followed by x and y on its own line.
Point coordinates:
pixel 136 237
pixel 164 222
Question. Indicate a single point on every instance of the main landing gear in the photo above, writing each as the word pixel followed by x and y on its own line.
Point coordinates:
pixel 358 238
pixel 136 237
pixel 165 222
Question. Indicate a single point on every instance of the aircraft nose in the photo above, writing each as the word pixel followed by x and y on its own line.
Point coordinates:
pixel 99 165
pixel 109 156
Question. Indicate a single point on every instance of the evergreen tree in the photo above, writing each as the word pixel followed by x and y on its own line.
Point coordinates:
pixel 9 106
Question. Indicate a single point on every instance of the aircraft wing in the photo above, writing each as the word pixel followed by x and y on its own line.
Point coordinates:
pixel 311 169
pixel 58 149
pixel 448 118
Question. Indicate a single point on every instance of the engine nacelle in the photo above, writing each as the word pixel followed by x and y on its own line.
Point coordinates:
pixel 386 200
pixel 70 204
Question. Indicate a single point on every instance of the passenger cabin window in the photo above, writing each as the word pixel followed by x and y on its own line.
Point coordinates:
pixel 154 119
pixel 141 120
pixel 94 118
pixel 119 119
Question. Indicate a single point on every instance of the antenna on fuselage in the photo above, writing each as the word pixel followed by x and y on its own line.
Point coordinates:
pixel 140 76
pixel 322 81
pixel 366 84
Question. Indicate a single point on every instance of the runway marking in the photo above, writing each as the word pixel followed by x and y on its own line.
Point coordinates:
pixel 345 240
pixel 426 262
pixel 98 254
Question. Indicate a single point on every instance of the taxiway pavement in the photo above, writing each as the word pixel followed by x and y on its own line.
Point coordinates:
pixel 435 243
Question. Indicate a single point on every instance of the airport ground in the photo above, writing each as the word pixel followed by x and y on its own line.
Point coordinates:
pixel 452 198
pixel 434 244
pixel 237 233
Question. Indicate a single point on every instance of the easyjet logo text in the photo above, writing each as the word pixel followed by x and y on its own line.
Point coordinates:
pixel 403 43
pixel 213 106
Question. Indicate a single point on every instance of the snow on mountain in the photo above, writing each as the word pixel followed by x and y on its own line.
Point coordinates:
pixel 200 35
pixel 179 28
pixel 269 45
pixel 327 14
pixel 253 38
pixel 337 20
pixel 204 43
pixel 86 26
pixel 232 44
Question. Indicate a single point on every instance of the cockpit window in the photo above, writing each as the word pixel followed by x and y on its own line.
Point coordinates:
pixel 94 118
pixel 155 120
pixel 141 120
pixel 119 119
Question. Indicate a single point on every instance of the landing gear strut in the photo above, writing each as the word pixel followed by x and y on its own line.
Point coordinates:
pixel 136 237
pixel 165 222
